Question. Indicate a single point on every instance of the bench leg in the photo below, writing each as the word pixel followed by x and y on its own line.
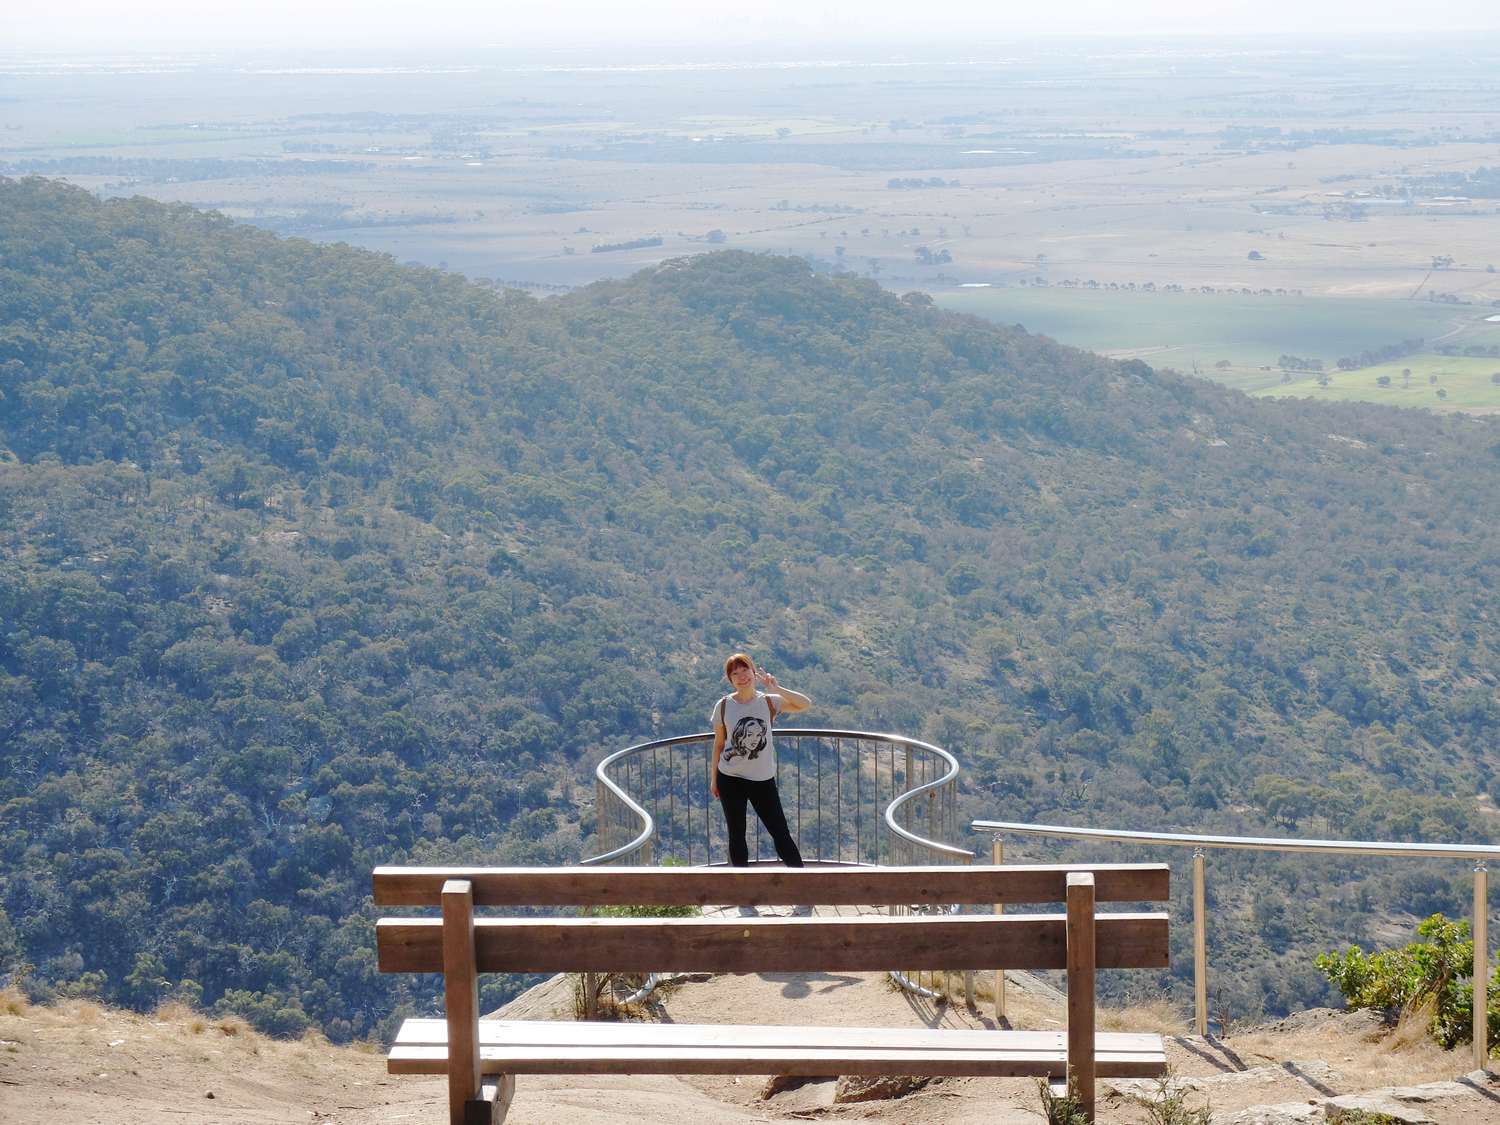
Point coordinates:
pixel 461 1004
pixel 1081 965
pixel 493 1102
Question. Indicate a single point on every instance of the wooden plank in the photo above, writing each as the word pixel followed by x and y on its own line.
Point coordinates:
pixel 812 886
pixel 1081 950
pixel 493 1103
pixel 1000 1062
pixel 567 1033
pixel 868 943
pixel 460 997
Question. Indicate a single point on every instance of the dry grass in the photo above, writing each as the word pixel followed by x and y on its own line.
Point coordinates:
pixel 83 1012
pixel 13 1002
pixel 173 1011
pixel 1159 1016
pixel 1365 1060
pixel 1412 1029
pixel 312 1037
pixel 195 1022
pixel 183 1015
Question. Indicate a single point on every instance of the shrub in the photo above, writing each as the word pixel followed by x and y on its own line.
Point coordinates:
pixel 1429 971
pixel 1167 1105
pixel 1061 1109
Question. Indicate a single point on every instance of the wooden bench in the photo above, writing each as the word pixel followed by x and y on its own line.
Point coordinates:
pixel 482 1057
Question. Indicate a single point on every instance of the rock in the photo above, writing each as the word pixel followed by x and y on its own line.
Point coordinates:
pixel 1358 1021
pixel 1429 1092
pixel 876 1087
pixel 800 1095
pixel 1379 1103
pixel 1147 1089
pixel 781 1083
pixel 1144 1088
pixel 1284 1113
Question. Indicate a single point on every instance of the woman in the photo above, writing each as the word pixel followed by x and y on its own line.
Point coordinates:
pixel 743 769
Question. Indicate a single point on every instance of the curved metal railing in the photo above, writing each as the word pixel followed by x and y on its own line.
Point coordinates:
pixel 1479 854
pixel 851 798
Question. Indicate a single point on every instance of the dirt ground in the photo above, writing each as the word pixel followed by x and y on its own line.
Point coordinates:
pixel 80 1063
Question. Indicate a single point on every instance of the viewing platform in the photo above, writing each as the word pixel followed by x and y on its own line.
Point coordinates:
pixel 851 798
pixel 868 798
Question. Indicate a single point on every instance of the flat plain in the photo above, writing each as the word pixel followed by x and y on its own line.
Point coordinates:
pixel 1205 206
pixel 1432 382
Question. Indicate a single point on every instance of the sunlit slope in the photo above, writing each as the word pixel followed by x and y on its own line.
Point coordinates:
pixel 312 561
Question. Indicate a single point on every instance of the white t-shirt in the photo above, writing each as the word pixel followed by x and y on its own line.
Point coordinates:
pixel 748 750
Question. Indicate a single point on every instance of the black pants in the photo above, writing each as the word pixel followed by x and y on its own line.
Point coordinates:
pixel 734 792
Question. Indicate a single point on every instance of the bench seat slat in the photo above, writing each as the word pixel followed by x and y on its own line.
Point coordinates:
pixel 812 886
pixel 434 1032
pixel 865 943
pixel 801 1051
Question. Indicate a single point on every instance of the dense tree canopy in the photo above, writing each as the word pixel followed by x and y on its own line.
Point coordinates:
pixel 310 561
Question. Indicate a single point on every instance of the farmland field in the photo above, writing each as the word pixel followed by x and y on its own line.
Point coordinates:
pixel 1194 330
pixel 1210 207
pixel 1467 383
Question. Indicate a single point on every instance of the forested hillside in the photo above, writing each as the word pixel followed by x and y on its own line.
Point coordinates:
pixel 310 561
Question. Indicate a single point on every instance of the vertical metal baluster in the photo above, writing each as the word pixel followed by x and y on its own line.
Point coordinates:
pixel 859 768
pixel 997 857
pixel 601 826
pixel 1200 945
pixel 838 800
pixel 799 792
pixel 906 786
pixel 891 850
pixel 819 830
pixel 1480 930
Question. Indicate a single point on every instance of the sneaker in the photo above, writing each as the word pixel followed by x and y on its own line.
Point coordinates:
pixel 748 912
pixel 802 912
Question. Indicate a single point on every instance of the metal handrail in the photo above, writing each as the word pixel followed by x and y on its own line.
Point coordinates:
pixel 1479 854
pixel 940 793
pixel 1246 843
pixel 948 851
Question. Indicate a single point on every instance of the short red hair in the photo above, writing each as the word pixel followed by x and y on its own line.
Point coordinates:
pixel 738 658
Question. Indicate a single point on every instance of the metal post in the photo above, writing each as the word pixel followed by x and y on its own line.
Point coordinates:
pixel 602 826
pixel 997 857
pixel 906 807
pixel 838 801
pixel 1481 965
pixel 969 1001
pixel 1200 946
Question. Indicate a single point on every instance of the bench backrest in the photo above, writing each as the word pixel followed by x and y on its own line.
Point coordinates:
pixel 850 944
pixel 778 886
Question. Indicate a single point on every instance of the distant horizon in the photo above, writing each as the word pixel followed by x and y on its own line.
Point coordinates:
pixel 804 53
pixel 786 26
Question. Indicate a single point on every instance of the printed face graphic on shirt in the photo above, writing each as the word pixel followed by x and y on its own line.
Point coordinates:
pixel 747 740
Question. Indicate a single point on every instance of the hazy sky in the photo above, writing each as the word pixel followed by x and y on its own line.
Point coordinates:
pixel 796 25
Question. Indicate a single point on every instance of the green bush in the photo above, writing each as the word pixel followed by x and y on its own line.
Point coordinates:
pixel 1432 970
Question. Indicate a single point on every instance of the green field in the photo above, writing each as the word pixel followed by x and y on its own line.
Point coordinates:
pixel 1465 381
pixel 1181 330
